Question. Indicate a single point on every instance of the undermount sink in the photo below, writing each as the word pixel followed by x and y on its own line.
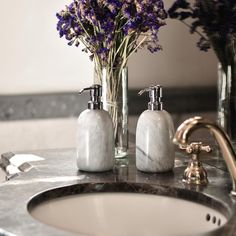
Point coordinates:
pixel 126 209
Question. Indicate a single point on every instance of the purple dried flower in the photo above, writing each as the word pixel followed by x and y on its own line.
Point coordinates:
pixel 110 29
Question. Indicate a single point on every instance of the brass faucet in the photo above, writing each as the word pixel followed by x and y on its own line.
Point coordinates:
pixel 186 129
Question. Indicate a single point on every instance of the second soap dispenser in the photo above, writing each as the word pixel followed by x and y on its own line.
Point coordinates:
pixel 95 137
pixel 154 133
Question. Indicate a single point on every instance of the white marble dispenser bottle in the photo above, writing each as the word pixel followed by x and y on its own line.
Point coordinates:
pixel 154 133
pixel 95 138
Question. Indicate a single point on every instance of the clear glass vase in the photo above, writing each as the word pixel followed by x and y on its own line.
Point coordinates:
pixel 226 111
pixel 115 101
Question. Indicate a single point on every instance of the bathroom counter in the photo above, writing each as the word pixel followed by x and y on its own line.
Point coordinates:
pixel 58 169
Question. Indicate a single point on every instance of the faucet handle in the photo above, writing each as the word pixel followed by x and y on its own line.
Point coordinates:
pixel 195 148
pixel 195 172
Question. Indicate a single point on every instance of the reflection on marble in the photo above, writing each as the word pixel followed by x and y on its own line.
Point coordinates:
pixel 121 169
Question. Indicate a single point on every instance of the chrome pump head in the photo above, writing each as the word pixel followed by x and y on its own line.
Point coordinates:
pixel 95 96
pixel 155 95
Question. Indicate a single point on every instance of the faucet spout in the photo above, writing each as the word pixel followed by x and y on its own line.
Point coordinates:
pixel 186 129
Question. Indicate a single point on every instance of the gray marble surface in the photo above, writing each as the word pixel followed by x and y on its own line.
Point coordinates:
pixel 59 170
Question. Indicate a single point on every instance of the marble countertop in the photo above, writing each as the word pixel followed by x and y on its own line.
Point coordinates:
pixel 58 169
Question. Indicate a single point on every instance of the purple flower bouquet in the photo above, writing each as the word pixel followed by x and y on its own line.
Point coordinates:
pixel 111 30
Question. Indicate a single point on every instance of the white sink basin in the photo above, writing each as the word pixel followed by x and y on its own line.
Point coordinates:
pixel 127 214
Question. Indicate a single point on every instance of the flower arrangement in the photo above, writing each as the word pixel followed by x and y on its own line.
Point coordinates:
pixel 112 30
pixel 214 21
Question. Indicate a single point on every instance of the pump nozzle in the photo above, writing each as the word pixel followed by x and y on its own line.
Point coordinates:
pixel 143 91
pixel 155 95
pixel 95 96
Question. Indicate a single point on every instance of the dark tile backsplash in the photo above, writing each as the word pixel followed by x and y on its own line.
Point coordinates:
pixel 57 105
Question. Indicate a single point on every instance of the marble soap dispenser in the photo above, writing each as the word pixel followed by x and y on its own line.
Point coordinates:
pixel 154 133
pixel 95 137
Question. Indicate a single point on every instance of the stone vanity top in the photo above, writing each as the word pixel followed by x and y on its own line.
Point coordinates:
pixel 58 169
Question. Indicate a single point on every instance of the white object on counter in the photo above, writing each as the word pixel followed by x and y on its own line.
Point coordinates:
pixel 19 159
pixel 154 134
pixel 95 137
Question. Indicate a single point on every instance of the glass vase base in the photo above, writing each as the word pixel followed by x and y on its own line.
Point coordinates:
pixel 120 152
